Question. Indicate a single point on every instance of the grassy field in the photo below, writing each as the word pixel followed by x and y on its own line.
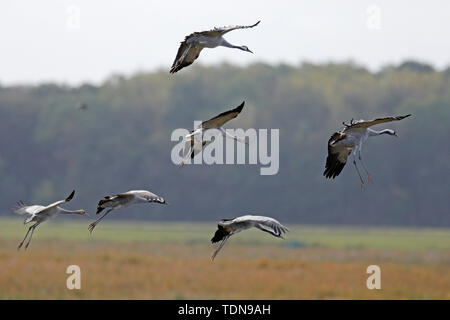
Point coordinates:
pixel 124 260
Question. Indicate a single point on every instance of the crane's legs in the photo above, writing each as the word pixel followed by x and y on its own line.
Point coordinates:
pixel 21 244
pixel 28 243
pixel 220 246
pixel 31 235
pixel 93 224
pixel 359 174
pixel 369 178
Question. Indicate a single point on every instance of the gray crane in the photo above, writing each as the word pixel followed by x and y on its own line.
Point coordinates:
pixel 123 200
pixel 82 106
pixel 195 140
pixel 194 43
pixel 349 141
pixel 38 214
pixel 228 227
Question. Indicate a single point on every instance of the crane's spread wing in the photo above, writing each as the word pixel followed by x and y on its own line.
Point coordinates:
pixel 366 124
pixel 23 209
pixel 263 223
pixel 186 55
pixel 110 201
pixel 124 195
pixel 57 203
pixel 145 195
pixel 272 226
pixel 222 30
pixel 222 118
pixel 337 156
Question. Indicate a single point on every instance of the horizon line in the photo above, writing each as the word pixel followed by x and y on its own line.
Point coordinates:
pixel 162 69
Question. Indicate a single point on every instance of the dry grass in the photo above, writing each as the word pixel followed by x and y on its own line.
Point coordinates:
pixel 143 270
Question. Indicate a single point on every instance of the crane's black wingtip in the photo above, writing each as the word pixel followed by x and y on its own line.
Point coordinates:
pixel 403 117
pixel 333 166
pixel 240 107
pixel 70 196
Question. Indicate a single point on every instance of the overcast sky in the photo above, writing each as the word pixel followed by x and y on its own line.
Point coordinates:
pixel 88 40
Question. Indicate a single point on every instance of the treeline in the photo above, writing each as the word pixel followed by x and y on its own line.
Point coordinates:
pixel 121 141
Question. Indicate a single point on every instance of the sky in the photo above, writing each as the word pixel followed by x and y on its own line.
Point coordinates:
pixel 78 41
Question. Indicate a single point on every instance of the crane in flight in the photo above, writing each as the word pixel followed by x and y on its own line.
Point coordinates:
pixel 194 43
pixel 82 106
pixel 38 214
pixel 123 200
pixel 195 140
pixel 228 227
pixel 349 141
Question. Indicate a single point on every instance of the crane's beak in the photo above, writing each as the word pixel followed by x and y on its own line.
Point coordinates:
pixel 85 214
pixel 250 51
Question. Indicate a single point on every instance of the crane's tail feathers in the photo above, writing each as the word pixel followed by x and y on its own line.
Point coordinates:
pixel 18 208
pixel 220 234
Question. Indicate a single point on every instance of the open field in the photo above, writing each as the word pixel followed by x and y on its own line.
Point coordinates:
pixel 172 261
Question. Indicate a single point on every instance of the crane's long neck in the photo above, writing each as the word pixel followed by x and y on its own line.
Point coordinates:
pixel 373 133
pixel 225 43
pixel 64 211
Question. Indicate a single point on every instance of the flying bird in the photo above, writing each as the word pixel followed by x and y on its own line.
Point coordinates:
pixel 123 200
pixel 349 141
pixel 39 214
pixel 82 106
pixel 195 140
pixel 228 227
pixel 194 43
